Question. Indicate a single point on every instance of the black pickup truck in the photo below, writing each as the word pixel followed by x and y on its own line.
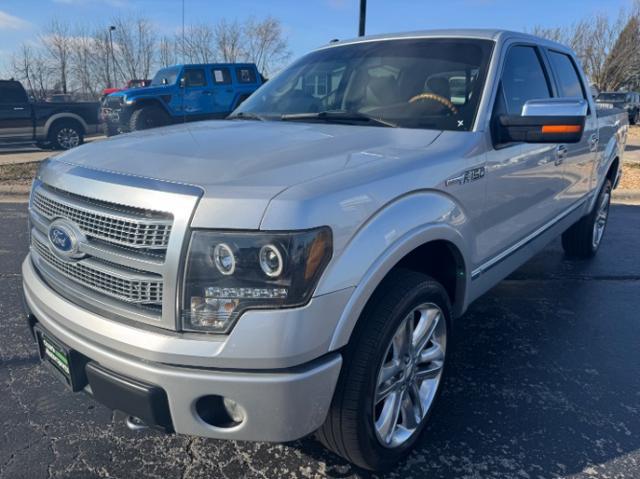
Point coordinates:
pixel 59 125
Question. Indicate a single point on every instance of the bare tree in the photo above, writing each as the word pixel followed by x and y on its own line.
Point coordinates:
pixel 167 52
pixel 197 46
pixel 134 47
pixel 84 64
pixel 30 66
pixel 623 62
pixel 266 45
pixel 58 43
pixel 228 38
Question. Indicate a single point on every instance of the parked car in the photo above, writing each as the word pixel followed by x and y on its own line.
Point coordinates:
pixel 60 125
pixel 181 93
pixel 137 83
pixel 628 101
pixel 300 266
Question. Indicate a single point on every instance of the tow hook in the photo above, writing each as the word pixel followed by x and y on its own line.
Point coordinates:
pixel 135 424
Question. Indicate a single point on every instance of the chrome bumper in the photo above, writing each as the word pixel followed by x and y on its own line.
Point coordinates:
pixel 279 405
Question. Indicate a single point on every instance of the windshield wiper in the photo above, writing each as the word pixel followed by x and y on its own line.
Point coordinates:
pixel 337 116
pixel 246 115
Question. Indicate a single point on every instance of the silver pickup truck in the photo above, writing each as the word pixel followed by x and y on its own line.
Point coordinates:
pixel 299 267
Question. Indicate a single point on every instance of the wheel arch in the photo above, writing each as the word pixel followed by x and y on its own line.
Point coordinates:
pixel 60 117
pixel 436 250
pixel 142 102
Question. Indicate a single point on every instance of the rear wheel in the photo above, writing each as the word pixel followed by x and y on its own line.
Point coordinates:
pixel 392 372
pixel 65 135
pixel 151 116
pixel 583 239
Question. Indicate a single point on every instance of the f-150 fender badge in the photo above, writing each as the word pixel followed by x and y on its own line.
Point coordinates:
pixel 466 177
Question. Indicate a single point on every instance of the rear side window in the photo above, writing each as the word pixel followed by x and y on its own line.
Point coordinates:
pixel 195 77
pixel 221 76
pixel 523 79
pixel 12 92
pixel 568 80
pixel 246 75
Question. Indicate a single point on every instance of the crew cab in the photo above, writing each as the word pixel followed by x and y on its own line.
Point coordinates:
pixel 627 101
pixel 58 124
pixel 298 267
pixel 179 94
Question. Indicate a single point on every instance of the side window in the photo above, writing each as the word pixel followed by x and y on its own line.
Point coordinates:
pixel 568 80
pixel 12 92
pixel 195 77
pixel 523 79
pixel 246 75
pixel 221 76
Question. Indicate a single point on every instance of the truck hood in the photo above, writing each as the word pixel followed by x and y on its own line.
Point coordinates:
pixel 272 154
pixel 147 90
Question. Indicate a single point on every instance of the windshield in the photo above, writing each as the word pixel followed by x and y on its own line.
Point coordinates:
pixel 424 83
pixel 612 97
pixel 166 76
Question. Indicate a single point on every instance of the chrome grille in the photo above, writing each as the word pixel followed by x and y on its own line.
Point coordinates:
pixel 108 222
pixel 124 284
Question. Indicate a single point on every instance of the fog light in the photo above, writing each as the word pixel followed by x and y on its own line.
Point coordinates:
pixel 271 261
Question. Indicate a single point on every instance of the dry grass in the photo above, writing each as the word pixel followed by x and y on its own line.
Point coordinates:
pixel 634 132
pixel 630 177
pixel 20 174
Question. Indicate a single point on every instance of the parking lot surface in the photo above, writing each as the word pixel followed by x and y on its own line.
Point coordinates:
pixel 543 382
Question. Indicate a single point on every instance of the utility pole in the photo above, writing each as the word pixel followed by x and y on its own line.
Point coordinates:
pixel 113 56
pixel 363 17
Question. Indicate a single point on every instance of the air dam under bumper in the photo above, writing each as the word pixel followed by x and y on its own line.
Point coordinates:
pixel 278 405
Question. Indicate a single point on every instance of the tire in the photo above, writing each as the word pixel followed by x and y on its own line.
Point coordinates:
pixel 583 239
pixel 65 135
pixel 354 427
pixel 147 117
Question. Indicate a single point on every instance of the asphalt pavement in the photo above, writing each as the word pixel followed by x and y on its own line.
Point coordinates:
pixel 543 382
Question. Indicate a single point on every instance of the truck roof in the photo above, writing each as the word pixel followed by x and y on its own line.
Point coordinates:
pixel 474 33
pixel 208 65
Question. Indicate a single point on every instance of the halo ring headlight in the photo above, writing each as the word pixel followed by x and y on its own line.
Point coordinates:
pixel 224 259
pixel 271 261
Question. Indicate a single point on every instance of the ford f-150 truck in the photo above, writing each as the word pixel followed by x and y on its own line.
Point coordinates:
pixel 179 94
pixel 299 267
pixel 61 125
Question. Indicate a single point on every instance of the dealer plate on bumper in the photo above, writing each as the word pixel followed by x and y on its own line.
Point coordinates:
pixel 68 365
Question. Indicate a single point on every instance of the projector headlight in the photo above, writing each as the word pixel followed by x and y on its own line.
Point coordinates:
pixel 228 273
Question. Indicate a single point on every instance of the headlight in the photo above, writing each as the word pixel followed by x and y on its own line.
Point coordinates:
pixel 229 272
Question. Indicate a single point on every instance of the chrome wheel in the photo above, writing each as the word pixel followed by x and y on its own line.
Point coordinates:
pixel 409 375
pixel 68 138
pixel 600 222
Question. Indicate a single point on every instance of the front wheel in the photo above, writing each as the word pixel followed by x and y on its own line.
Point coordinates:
pixel 392 372
pixel 147 117
pixel 583 239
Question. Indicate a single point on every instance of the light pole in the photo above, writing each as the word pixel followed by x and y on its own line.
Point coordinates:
pixel 363 17
pixel 113 56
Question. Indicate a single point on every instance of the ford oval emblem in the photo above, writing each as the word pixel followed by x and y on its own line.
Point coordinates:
pixel 63 238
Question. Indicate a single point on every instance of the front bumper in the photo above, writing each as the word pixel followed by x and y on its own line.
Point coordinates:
pixel 278 404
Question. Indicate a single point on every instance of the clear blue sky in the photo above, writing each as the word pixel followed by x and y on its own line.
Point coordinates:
pixel 308 23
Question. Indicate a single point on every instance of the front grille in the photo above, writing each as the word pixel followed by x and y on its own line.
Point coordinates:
pixel 105 221
pixel 112 280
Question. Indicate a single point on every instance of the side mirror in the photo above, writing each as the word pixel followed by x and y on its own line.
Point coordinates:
pixel 183 82
pixel 165 81
pixel 554 120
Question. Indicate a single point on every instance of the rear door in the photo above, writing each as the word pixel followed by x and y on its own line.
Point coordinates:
pixel 523 180
pixel 15 112
pixel 223 92
pixel 577 158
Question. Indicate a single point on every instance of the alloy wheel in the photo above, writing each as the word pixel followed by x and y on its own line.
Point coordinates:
pixel 409 375
pixel 68 138
pixel 600 222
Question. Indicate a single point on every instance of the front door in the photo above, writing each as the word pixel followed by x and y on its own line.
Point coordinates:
pixel 223 92
pixel 524 181
pixel 197 94
pixel 15 113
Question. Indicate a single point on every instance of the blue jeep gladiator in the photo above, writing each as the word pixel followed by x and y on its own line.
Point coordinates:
pixel 181 93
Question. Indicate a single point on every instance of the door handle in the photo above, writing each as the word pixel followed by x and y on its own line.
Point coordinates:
pixel 18 108
pixel 206 92
pixel 593 142
pixel 561 154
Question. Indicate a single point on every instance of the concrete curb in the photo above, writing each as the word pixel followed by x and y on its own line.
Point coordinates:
pixel 625 195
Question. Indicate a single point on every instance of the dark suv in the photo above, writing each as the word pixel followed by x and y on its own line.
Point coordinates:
pixel 629 101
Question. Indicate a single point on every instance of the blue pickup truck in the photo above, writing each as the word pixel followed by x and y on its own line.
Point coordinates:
pixel 181 93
